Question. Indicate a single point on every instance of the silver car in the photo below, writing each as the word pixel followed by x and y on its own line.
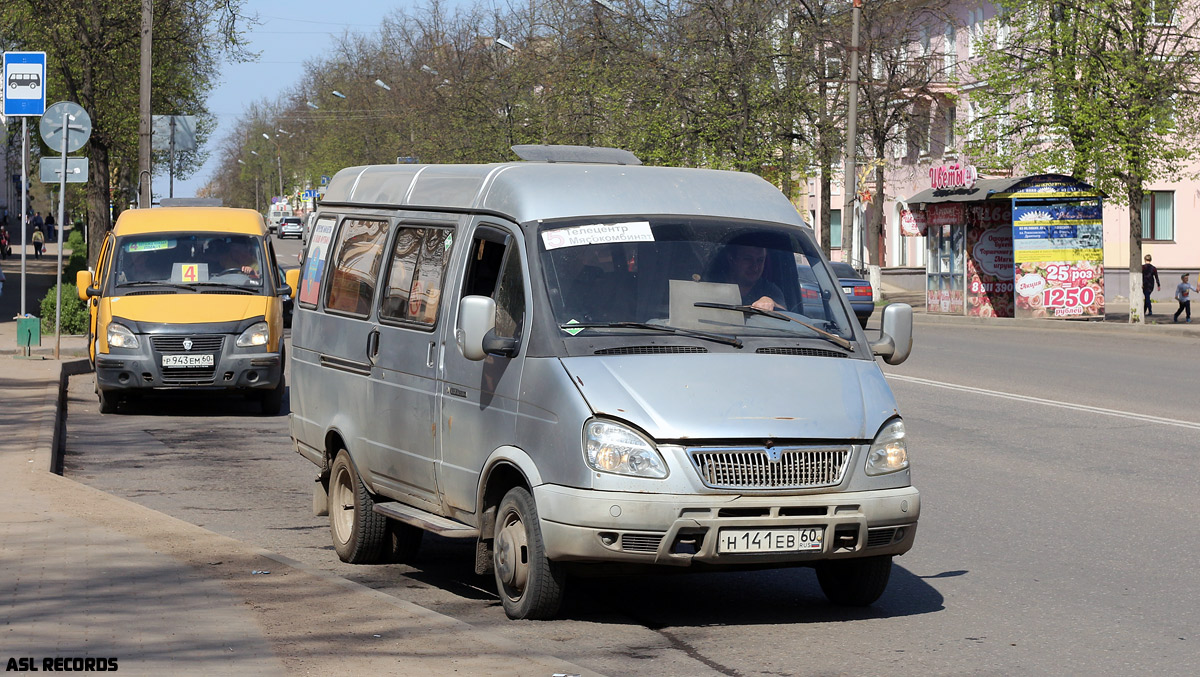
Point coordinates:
pixel 579 362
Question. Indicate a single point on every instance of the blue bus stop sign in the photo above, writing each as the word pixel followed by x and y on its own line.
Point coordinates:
pixel 24 83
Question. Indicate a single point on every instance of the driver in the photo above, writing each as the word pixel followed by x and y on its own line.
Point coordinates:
pixel 743 265
pixel 233 256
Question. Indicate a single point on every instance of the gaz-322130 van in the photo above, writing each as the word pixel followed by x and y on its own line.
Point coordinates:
pixel 577 361
pixel 186 299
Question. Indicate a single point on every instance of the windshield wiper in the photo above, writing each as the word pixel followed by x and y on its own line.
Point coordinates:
pixel 718 338
pixel 226 285
pixel 834 338
pixel 152 283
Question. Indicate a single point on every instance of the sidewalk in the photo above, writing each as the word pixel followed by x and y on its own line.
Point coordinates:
pixel 84 574
pixel 1116 317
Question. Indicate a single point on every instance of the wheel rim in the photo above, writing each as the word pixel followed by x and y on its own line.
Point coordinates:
pixel 512 547
pixel 341 505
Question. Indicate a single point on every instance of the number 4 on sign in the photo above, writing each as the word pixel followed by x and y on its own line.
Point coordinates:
pixel 191 272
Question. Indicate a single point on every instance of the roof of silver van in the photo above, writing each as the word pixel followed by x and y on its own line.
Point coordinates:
pixel 532 191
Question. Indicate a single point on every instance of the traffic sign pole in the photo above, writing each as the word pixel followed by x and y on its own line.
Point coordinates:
pixel 24 205
pixel 24 79
pixel 62 198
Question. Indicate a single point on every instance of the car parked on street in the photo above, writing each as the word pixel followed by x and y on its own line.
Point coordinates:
pixel 858 290
pixel 576 362
pixel 291 226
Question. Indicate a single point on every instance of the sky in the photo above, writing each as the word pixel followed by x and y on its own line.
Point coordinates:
pixel 290 32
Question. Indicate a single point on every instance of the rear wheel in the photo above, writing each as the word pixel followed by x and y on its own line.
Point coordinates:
pixel 358 531
pixel 855 582
pixel 530 585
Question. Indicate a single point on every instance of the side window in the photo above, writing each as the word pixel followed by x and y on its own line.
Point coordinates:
pixel 355 266
pixel 495 270
pixel 316 253
pixel 510 298
pixel 416 274
pixel 102 263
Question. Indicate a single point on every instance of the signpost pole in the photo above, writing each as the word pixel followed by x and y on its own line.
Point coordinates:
pixel 24 203
pixel 62 198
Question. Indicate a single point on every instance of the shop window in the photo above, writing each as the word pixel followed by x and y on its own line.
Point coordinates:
pixel 1158 215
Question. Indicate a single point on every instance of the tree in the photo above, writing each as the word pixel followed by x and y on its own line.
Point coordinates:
pixel 903 100
pixel 92 50
pixel 1106 90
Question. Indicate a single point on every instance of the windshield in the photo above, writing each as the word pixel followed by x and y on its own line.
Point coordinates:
pixel 188 261
pixel 672 271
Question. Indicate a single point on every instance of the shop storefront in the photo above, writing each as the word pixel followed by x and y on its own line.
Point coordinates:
pixel 1031 246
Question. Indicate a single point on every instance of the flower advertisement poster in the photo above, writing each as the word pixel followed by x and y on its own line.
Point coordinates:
pixel 1058 254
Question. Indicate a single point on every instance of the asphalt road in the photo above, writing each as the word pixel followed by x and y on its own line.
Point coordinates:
pixel 1055 537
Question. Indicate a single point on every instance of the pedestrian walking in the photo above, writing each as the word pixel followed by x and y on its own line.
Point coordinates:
pixel 1149 277
pixel 5 245
pixel 51 228
pixel 37 221
pixel 1183 294
pixel 39 241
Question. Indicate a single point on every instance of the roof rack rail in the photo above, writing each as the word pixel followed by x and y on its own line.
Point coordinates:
pixel 586 154
pixel 190 202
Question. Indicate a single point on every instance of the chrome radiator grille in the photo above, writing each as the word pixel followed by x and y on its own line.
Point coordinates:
pixel 174 344
pixel 775 468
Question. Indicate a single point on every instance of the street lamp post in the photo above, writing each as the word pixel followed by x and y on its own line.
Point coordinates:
pixel 849 189
pixel 278 160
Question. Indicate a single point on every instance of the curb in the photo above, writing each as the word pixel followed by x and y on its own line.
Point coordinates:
pixel 58 445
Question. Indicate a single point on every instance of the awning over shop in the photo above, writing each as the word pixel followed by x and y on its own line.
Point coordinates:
pixel 1003 189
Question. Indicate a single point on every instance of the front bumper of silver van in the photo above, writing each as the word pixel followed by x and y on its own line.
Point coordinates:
pixel 681 530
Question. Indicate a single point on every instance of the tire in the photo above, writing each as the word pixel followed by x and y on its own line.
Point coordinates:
pixel 272 400
pixel 108 402
pixel 855 582
pixel 358 531
pixel 530 586
pixel 403 542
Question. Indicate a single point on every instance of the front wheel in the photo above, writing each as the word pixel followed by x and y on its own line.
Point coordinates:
pixel 358 531
pixel 530 585
pixel 855 582
pixel 108 401
pixel 272 400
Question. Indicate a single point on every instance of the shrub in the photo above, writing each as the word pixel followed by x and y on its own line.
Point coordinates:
pixel 74 312
pixel 75 240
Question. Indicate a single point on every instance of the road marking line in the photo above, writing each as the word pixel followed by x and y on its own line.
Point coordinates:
pixel 1050 403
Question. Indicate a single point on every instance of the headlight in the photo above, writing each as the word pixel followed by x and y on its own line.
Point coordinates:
pixel 255 335
pixel 614 448
pixel 119 336
pixel 889 451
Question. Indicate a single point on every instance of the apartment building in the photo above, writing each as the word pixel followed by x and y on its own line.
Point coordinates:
pixel 1170 212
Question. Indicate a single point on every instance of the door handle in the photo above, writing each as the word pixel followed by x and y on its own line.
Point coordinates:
pixel 373 345
pixel 431 356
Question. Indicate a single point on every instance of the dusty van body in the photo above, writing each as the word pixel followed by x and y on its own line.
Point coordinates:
pixel 186 298
pixel 555 360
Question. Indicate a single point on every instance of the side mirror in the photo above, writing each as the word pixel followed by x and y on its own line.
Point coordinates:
pixel 895 336
pixel 83 283
pixel 498 345
pixel 476 317
pixel 293 281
